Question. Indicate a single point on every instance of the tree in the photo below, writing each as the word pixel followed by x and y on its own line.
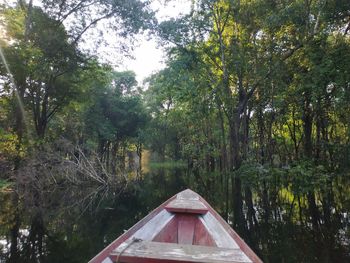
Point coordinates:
pixel 39 38
pixel 43 65
pixel 115 116
pixel 125 18
pixel 250 54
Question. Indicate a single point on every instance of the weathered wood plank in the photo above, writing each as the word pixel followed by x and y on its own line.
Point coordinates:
pixel 217 231
pixel 187 202
pixel 201 236
pixel 239 241
pixel 156 252
pixel 107 260
pixel 185 229
pixel 187 195
pixel 154 226
pixel 186 206
pixel 104 254
pixel 168 233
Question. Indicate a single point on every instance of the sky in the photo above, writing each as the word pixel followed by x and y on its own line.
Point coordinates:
pixel 149 58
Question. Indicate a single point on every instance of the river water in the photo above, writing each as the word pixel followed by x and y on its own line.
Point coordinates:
pixel 284 223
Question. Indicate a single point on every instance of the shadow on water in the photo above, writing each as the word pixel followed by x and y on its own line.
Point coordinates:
pixel 79 222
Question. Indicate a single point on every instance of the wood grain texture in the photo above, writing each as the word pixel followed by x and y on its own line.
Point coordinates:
pixel 218 232
pixel 107 260
pixel 187 202
pixel 154 226
pixel 240 242
pixel 168 234
pixel 185 228
pixel 186 206
pixel 104 254
pixel 201 236
pixel 145 251
pixel 188 194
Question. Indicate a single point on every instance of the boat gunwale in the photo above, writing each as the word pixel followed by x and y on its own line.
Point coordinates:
pixel 107 250
pixel 240 242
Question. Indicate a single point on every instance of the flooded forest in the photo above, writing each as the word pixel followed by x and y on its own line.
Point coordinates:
pixel 251 110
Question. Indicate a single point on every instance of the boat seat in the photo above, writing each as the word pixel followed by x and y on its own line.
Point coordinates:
pixel 187 202
pixel 140 251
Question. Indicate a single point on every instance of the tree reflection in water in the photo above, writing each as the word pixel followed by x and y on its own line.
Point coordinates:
pixel 283 222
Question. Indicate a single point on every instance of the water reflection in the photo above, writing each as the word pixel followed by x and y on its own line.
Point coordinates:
pixel 283 222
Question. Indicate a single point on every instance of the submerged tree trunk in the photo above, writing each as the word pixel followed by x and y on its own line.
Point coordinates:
pixel 114 158
pixel 36 237
pixel 313 210
pixel 235 162
pixel 14 232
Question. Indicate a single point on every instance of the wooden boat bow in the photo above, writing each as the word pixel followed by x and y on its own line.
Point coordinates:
pixel 183 229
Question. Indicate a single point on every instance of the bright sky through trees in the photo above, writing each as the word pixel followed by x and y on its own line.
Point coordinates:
pixel 148 56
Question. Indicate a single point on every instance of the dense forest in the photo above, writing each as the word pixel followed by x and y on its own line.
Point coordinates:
pixel 253 106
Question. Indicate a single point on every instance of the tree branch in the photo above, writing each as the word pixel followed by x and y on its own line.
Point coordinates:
pixel 94 22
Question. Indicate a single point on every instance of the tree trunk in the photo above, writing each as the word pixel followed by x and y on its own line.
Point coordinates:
pixel 114 158
pixel 307 124
pixel 235 162
pixel 261 134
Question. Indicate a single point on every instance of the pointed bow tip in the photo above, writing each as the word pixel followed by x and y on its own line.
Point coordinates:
pixel 188 193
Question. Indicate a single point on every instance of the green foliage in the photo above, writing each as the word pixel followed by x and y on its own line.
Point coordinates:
pixel 167 165
pixel 300 177
pixel 253 100
pixel 4 184
pixel 115 112
pixel 126 17
pixel 42 62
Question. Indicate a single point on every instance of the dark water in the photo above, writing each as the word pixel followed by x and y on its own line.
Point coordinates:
pixel 285 222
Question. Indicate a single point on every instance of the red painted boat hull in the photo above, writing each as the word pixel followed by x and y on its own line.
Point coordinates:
pixel 185 228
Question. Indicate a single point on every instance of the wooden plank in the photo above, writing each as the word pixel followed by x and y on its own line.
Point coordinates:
pixel 157 252
pixel 185 228
pixel 217 231
pixel 240 242
pixel 201 236
pixel 104 254
pixel 186 206
pixel 154 226
pixel 188 195
pixel 187 202
pixel 169 233
pixel 107 260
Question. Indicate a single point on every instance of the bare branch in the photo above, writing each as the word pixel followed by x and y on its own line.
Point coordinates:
pixel 94 22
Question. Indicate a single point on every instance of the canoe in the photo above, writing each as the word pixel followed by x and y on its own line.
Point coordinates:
pixel 185 228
